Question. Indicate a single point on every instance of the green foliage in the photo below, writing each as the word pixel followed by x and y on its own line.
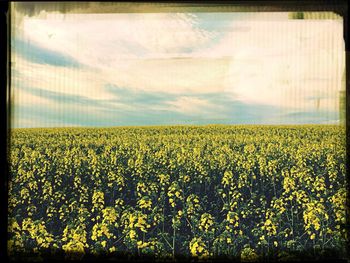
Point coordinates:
pixel 247 192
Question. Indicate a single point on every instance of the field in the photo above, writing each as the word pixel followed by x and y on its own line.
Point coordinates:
pixel 240 192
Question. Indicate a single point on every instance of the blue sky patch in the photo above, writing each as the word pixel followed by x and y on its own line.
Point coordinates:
pixel 36 54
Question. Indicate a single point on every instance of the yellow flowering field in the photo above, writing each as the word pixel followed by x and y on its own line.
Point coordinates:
pixel 239 192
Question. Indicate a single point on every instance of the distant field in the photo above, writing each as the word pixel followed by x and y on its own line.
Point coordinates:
pixel 245 192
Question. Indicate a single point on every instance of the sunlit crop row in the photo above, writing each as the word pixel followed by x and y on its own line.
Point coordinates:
pixel 243 192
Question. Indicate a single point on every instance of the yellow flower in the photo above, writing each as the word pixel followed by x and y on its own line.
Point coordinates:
pixel 132 234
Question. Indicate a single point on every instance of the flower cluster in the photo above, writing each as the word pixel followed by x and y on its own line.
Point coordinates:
pixel 226 191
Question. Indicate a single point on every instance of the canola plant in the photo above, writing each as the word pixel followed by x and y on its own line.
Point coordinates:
pixel 241 192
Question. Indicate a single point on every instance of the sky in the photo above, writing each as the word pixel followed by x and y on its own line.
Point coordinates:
pixel 126 69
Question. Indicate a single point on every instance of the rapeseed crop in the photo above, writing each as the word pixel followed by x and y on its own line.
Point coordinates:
pixel 242 192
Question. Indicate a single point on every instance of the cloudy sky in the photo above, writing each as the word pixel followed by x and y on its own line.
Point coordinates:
pixel 174 68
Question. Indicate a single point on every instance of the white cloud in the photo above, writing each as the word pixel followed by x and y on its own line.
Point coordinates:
pixel 24 98
pixel 190 105
pixel 273 59
pixel 112 44
pixel 174 76
pixel 281 63
pixel 275 62
pixel 71 81
pixel 101 40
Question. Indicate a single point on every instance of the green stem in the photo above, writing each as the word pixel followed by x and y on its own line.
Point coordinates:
pixel 174 235
pixel 166 241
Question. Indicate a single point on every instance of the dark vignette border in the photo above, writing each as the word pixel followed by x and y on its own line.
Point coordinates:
pixel 31 8
pixel 5 54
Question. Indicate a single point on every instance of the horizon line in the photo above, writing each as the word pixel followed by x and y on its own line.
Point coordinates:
pixel 176 125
